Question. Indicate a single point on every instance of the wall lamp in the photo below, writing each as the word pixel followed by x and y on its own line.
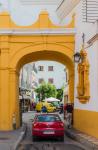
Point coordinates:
pixel 83 86
pixel 78 56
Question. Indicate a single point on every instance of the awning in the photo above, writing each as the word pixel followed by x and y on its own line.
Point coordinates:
pixel 24 97
pixel 52 99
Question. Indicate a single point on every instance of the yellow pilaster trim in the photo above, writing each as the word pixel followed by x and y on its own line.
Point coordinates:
pixel 14 97
pixel 71 86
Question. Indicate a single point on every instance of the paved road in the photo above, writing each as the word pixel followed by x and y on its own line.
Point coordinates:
pixel 45 144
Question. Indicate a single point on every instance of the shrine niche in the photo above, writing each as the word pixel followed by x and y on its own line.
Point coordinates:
pixel 83 88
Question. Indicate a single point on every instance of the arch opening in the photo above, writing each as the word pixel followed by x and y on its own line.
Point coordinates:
pixel 39 56
pixel 51 52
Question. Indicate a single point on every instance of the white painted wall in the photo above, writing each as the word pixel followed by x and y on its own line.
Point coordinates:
pixel 58 74
pixel 89 29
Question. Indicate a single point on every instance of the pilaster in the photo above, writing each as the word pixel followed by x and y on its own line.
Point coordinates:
pixel 71 86
pixel 14 97
pixel 4 83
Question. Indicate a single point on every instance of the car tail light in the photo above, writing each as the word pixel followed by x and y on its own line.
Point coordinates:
pixel 35 125
pixel 62 125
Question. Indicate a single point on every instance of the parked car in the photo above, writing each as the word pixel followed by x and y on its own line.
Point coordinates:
pixel 47 125
pixel 49 106
pixel 57 105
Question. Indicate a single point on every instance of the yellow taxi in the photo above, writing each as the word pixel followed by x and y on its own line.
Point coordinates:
pixel 49 106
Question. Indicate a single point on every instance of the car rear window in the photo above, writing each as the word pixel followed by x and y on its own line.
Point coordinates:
pixel 47 118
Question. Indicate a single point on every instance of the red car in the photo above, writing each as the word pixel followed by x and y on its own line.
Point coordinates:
pixel 48 125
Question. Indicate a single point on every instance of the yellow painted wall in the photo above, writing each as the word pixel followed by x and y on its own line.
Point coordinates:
pixel 17 50
pixel 86 121
pixel 7 22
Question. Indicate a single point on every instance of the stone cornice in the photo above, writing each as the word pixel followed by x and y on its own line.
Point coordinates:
pixel 67 31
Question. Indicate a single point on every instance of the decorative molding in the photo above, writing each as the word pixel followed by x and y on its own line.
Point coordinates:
pixel 4 50
pixel 36 24
pixel 63 10
pixel 13 71
pixel 93 39
pixel 83 88
pixel 66 31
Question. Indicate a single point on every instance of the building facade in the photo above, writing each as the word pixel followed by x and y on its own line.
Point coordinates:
pixel 23 39
pixel 51 72
pixel 28 81
pixel 86 112
pixel 25 79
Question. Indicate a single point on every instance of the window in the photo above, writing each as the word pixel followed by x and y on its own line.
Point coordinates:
pixel 41 80
pixel 48 118
pixel 50 80
pixel 50 68
pixel 40 68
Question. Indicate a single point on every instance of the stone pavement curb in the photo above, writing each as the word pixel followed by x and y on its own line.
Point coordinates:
pixel 87 141
pixel 22 134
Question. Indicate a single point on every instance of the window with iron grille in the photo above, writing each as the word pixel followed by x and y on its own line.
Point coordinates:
pixel 50 80
pixel 40 68
pixel 41 80
pixel 50 68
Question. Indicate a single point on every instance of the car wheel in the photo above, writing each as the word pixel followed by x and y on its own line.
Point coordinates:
pixel 38 111
pixel 62 139
pixel 34 138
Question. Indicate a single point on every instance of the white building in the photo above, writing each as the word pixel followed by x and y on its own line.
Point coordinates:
pixel 51 72
pixel 28 80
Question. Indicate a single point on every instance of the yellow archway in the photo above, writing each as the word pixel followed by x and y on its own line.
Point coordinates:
pixel 18 49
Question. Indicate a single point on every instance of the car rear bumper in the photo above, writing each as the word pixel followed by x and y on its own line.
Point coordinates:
pixel 48 133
